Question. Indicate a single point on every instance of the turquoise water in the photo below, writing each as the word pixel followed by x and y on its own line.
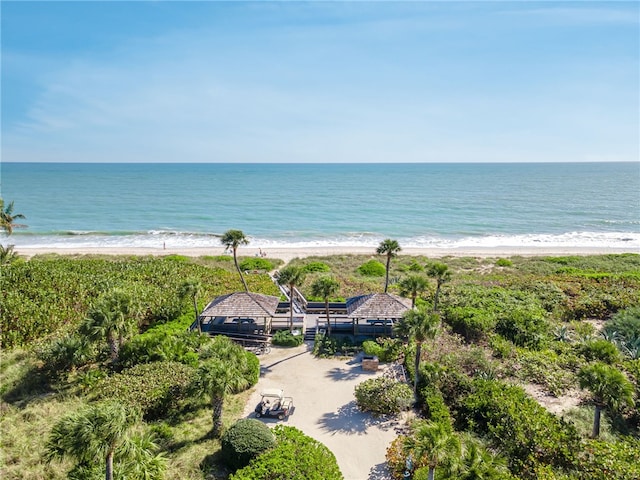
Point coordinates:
pixel 421 205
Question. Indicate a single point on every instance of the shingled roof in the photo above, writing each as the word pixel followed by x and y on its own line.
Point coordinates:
pixel 377 305
pixel 242 304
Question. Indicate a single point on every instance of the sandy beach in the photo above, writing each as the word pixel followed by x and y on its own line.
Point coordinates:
pixel 287 254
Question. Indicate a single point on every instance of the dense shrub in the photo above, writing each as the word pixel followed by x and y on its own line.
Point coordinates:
pixel 256 264
pixel 156 389
pixel 285 338
pixel 326 346
pixel 159 346
pixel 470 322
pixel 245 440
pixel 599 349
pixel 504 262
pixel 386 349
pixel 46 293
pixel 519 426
pixel 625 324
pixel 316 267
pixel 372 268
pixel 433 405
pixel 295 456
pixel 526 327
pixel 383 396
pixel 548 369
pixel 607 460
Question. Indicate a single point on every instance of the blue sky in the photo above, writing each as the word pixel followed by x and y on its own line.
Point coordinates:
pixel 320 81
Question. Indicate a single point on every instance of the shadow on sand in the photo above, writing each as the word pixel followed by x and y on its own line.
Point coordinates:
pixel 379 472
pixel 264 369
pixel 351 373
pixel 350 420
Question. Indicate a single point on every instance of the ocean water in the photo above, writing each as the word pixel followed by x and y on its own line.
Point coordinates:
pixel 420 205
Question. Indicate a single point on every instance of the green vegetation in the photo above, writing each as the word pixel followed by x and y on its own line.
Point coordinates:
pixel 539 324
pixel 316 267
pixel 383 396
pixel 390 248
pixel 244 441
pixel 372 268
pixel 294 456
pixel 259 264
pixel 284 338
pixel 386 349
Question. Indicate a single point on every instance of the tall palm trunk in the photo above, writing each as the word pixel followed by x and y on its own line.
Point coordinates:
pixel 217 401
pixel 435 298
pixel 596 422
pixel 108 473
pixel 386 276
pixel 417 369
pixel 432 473
pixel 113 347
pixel 235 260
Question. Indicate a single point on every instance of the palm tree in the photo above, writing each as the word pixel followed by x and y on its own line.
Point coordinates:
pixel 233 239
pixel 7 254
pixel 191 289
pixel 7 218
pixel 411 286
pixel 390 248
pixel 112 318
pixel 291 276
pixel 478 463
pixel 419 325
pixel 219 379
pixel 325 287
pixel 435 442
pixel 91 434
pixel 442 274
pixel 609 387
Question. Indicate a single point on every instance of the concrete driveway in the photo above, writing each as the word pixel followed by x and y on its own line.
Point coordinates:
pixel 325 408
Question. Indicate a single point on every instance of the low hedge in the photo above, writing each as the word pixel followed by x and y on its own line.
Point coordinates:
pixel 244 441
pixel 284 338
pixel 383 396
pixel 295 456
pixel 154 388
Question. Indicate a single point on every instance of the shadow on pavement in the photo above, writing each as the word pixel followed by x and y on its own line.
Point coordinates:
pixel 350 420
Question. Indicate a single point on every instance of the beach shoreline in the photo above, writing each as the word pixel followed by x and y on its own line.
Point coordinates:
pixel 289 253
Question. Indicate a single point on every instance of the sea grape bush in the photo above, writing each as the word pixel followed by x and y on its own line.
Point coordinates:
pixel 471 322
pixel 372 268
pixel 386 349
pixel 244 441
pixel 156 389
pixel 383 396
pixel 160 346
pixel 294 456
pixel 46 293
pixel 316 267
pixel 516 424
pixel 250 264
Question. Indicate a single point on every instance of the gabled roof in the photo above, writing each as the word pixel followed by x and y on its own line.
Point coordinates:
pixel 242 304
pixel 377 305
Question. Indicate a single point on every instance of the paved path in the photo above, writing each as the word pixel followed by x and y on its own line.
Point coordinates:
pixel 325 409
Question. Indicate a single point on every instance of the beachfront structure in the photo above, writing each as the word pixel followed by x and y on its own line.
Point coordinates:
pixel 375 313
pixel 240 312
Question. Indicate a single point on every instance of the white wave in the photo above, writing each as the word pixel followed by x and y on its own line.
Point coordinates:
pixel 158 239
